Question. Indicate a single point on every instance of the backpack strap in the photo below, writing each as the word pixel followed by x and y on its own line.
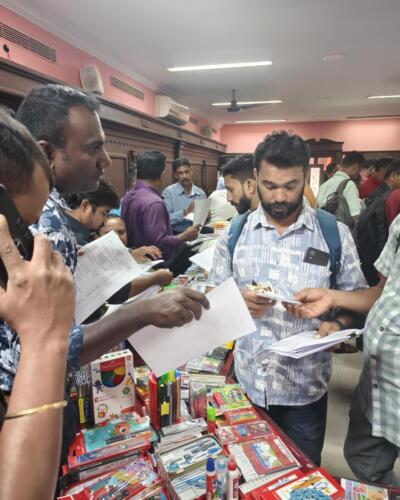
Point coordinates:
pixel 235 230
pixel 342 186
pixel 329 227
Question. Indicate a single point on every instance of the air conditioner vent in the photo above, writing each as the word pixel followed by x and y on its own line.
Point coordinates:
pixel 28 43
pixel 125 87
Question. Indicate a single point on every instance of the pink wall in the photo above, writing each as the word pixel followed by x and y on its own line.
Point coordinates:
pixel 70 60
pixel 362 135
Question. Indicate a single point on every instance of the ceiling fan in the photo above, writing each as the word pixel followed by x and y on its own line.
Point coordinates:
pixel 235 106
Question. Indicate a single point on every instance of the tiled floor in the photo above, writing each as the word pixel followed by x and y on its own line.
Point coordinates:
pixel 346 372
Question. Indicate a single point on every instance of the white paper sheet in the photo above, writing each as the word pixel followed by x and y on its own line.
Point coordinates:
pixel 204 259
pixel 104 268
pixel 306 343
pixel 146 266
pixel 149 292
pixel 201 209
pixel 227 319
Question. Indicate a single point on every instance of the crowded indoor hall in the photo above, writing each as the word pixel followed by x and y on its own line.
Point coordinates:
pixel 199 250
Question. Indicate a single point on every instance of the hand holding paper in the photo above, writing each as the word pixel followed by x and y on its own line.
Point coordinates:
pixel 201 209
pixel 227 319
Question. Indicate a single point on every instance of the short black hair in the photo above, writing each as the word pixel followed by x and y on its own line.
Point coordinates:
pixel 181 162
pixel 19 154
pixel 104 196
pixel 240 167
pixel 393 167
pixel 383 162
pixel 150 165
pixel 44 111
pixel 353 158
pixel 331 167
pixel 283 149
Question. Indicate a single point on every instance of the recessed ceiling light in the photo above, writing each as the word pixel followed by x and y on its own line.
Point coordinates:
pixel 395 96
pixel 248 103
pixel 259 121
pixel 220 66
pixel 333 57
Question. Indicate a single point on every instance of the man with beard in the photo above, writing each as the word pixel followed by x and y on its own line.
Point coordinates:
pixel 282 243
pixel 240 183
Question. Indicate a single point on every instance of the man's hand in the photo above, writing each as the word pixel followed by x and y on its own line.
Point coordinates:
pixel 175 308
pixel 39 300
pixel 326 328
pixel 258 306
pixel 189 209
pixel 190 234
pixel 315 301
pixel 142 254
pixel 162 277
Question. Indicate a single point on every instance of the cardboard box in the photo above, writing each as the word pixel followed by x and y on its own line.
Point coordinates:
pixel 113 388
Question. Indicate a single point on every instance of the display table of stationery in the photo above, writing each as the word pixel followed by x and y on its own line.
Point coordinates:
pixel 188 434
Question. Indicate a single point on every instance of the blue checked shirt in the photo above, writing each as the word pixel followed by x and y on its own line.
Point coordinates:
pixel 379 386
pixel 177 200
pixel 54 225
pixel 261 255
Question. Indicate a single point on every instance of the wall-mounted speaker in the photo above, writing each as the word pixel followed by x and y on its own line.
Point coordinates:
pixel 91 79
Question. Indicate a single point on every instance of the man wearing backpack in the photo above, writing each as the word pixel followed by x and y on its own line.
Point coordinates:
pixel 290 246
pixel 373 226
pixel 339 194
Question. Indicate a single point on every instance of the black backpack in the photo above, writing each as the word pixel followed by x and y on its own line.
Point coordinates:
pixel 336 204
pixel 372 235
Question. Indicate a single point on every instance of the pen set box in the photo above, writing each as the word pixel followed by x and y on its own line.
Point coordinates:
pixel 136 480
pixel 298 485
pixel 113 388
pixel 183 469
pixel 263 457
pixel 243 432
pixel 115 431
pixel 165 399
pixel 82 465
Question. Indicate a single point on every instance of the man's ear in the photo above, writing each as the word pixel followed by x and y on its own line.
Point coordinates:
pixel 49 150
pixel 251 185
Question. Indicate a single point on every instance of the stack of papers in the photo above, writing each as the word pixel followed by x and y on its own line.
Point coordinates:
pixel 306 343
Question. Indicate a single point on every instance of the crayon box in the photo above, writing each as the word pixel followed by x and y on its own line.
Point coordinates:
pixel 113 388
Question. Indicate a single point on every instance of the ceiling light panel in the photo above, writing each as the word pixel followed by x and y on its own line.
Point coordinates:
pixel 205 67
pixel 241 122
pixel 248 103
pixel 394 96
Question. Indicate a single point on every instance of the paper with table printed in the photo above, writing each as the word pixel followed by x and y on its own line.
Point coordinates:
pixel 104 268
pixel 228 318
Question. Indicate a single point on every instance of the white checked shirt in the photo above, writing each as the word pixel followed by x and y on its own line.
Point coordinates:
pixel 261 255
pixel 380 380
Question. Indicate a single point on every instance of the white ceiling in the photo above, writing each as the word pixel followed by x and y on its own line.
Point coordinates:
pixel 145 37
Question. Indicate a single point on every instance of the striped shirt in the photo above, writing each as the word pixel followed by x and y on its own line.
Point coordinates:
pixel 262 254
pixel 380 379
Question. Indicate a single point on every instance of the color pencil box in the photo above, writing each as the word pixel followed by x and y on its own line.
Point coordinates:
pixel 240 433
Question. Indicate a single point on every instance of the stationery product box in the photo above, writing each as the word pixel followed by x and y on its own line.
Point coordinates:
pixel 113 388
pixel 263 457
pixel 243 432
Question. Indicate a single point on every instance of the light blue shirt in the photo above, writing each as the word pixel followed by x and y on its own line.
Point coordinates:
pixel 176 200
pixel 263 255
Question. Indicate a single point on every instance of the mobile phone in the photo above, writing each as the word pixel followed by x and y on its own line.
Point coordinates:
pixel 19 231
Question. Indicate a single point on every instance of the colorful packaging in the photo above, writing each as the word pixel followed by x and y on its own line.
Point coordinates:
pixel 113 389
pixel 243 432
pixel 230 397
pixel 241 416
pixel 262 457
pixel 317 480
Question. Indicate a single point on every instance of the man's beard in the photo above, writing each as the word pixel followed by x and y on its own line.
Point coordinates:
pixel 243 205
pixel 281 211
